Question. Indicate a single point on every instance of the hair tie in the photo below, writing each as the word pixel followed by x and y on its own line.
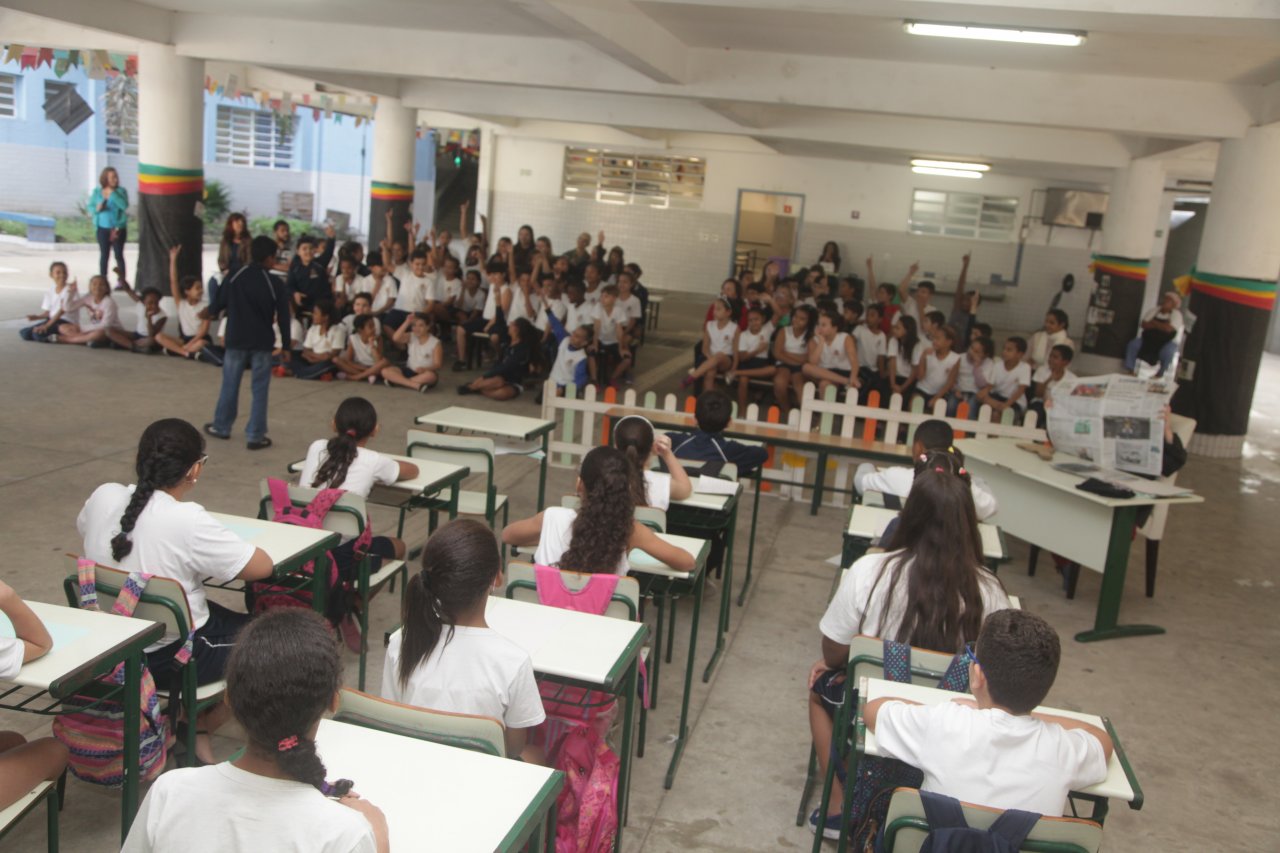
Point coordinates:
pixel 351 433
pixel 962 472
pixel 940 470
pixel 287 743
pixel 338 789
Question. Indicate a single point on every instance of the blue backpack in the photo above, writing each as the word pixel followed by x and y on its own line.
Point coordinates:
pixel 950 833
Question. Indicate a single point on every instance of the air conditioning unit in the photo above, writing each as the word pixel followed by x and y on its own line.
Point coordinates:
pixel 1074 208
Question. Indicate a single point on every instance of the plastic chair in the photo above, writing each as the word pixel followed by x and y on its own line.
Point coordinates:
pixel 13 814
pixel 164 601
pixel 465 731
pixel 1153 529
pixel 474 452
pixel 347 517
pixel 906 827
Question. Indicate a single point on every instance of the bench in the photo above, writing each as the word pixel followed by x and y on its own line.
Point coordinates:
pixel 39 228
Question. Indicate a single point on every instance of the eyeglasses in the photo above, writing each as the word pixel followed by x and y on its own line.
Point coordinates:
pixel 970 655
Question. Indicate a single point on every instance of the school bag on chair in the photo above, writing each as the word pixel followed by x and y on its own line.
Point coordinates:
pixel 94 734
pixel 262 596
pixel 587 808
pixel 949 832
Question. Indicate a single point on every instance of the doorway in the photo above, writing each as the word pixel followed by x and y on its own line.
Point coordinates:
pixel 766 228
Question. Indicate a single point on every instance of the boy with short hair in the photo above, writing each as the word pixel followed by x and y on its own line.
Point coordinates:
pixel 309 274
pixel 1010 376
pixel 993 750
pixel 933 434
pixel 713 412
pixel 380 284
pixel 361 304
pixel 872 346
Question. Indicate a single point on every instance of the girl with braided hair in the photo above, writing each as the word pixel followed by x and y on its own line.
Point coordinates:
pixel 152 527
pixel 597 536
pixel 446 657
pixel 283 676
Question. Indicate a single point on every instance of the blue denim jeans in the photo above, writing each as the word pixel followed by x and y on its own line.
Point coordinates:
pixel 233 366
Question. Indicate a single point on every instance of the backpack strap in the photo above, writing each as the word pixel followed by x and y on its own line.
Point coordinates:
pixel 897 661
pixel 942 812
pixel 1014 826
pixel 956 678
pixel 86 579
pixel 323 502
pixel 134 585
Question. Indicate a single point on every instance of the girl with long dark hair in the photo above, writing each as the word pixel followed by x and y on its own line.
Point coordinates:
pixel 233 251
pixel 638 441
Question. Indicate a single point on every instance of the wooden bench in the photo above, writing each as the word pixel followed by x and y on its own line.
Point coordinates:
pixel 39 228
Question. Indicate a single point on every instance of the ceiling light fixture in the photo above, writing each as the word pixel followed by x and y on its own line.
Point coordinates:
pixel 952 164
pixel 946 173
pixel 1056 38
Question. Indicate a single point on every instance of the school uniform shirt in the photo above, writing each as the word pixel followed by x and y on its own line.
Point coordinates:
pixel 223 809
pixel 447 288
pixel 794 344
pixel 657 489
pixel 557 532
pixel 592 297
pixel 971 376
pixel 141 325
pixel 470 671
pixel 991 757
pixel 12 650
pixel 100 315
pixel 494 301
pixel 368 469
pixel 363 353
pixel 577 315
pixel 565 369
pixel 911 309
pixel 414 292
pixel 189 317
pixel 871 345
pixel 330 343
pixel 832 355
pixel 720 340
pixel 68 302
pixel 936 370
pixel 172 539
pixel 860 603
pixel 1043 374
pixel 559 307
pixel 748 341
pixel 1004 381
pixel 607 322
pixel 903 366
pixel 349 325
pixel 1041 342
pixel 349 289
pixel 632 307
pixel 422 353
pixel 383 297
pixel 524 309
pixel 898 480
pixel 472 301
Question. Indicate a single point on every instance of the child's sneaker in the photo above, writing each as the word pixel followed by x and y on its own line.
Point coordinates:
pixel 830 828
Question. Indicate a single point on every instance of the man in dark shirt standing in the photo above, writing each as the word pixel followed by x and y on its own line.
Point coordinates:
pixel 253 299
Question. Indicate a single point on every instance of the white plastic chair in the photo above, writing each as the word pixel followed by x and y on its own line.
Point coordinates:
pixel 466 731
pixel 906 827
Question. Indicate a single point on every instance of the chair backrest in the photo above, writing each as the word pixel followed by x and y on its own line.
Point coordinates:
pixel 906 827
pixel 1183 428
pixel 523 586
pixel 866 654
pixel 346 517
pixel 474 452
pixel 650 517
pixel 163 601
pixel 467 731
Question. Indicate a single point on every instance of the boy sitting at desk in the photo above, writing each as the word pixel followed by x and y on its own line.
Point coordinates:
pixel 895 483
pixel 995 751
pixel 706 442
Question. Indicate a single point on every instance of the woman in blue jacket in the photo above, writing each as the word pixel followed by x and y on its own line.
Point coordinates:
pixel 109 206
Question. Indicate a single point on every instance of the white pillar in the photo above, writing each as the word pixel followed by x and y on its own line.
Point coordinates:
pixel 1133 210
pixel 394 138
pixel 484 176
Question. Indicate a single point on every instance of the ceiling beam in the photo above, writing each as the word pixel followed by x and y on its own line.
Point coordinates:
pixel 133 22
pixel 618 30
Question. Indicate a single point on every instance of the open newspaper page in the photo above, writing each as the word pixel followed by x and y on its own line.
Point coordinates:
pixel 1112 422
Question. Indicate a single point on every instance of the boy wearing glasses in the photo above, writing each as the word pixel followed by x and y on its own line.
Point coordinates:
pixel 992 750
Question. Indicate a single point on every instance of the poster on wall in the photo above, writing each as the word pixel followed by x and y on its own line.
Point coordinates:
pixel 1115 309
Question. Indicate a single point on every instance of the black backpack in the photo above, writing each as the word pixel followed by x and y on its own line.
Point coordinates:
pixel 950 833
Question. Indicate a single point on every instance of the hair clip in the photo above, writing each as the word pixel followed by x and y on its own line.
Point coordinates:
pixel 962 472
pixel 287 743
pixel 940 469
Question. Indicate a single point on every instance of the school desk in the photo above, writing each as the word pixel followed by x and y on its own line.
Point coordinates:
pixel 866 522
pixel 87 644
pixel 497 424
pixel 443 798
pixel 1042 505
pixel 580 650
pixel 289 546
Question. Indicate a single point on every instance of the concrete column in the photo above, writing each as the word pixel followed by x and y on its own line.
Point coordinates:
pixel 1233 289
pixel 484 178
pixel 1120 268
pixel 394 140
pixel 170 163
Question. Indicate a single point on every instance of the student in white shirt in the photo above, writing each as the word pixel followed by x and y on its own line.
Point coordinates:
pixel 918 303
pixel 101 326
pixel 1049 374
pixel 447 289
pixel 416 286
pixel 578 310
pixel 325 341
pixel 361 303
pixel 938 368
pixel 346 284
pixel 995 750
pixel 283 678
pixel 872 345
pixel 1053 334
pixel 630 304
pixel 573 364
pixel 362 360
pixel 149 322
pixel 974 369
pixel 1009 379
pixel 611 340
pixel 833 354
pixel 57 307
pixel 903 353
pixel 23 765
pixel 597 536
pixel 890 595
pixel 933 435
pixel 751 359
pixel 718 348
pixel 469 316
pixel 446 657
pixel 193 322
pixel 425 355
pixel 791 354
pixel 153 527
pixel 635 437
pixel 383 288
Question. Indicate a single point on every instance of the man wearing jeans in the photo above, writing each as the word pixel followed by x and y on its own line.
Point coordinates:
pixel 254 300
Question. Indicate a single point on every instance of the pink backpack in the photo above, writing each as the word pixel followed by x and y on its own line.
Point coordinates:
pixel 587 808
pixel 266 596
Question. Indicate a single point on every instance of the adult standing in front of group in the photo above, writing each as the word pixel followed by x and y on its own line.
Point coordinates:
pixel 109 209
pixel 253 300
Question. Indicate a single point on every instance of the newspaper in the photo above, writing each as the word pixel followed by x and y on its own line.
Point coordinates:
pixel 1115 422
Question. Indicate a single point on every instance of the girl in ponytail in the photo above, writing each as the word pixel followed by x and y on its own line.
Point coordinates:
pixel 597 536
pixel 446 657
pixel 283 676
pixel 635 437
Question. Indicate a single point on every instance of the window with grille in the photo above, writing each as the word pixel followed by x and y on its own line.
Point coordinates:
pixel 252 138
pixel 8 96
pixel 955 214
pixel 644 179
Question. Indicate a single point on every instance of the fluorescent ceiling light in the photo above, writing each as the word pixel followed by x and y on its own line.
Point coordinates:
pixel 952 164
pixel 946 173
pixel 1059 38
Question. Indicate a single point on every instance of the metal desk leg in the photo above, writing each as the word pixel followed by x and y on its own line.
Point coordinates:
pixel 631 687
pixel 320 582
pixel 542 470
pixel 131 755
pixel 751 542
pixel 660 602
pixel 1106 624
pixel 682 737
pixel 722 626
pixel 819 482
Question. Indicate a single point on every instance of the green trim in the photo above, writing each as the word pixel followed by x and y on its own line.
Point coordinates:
pixel 626 660
pixel 169 171
pixel 543 802
pixel 921 824
pixel 44 798
pixel 1119 259
pixel 1136 802
pixel 389 185
pixel 1253 284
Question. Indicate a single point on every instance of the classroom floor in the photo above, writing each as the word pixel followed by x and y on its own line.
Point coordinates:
pixel 1188 705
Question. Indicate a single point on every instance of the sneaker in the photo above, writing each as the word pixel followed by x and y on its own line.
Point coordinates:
pixel 422 389
pixel 373 380
pixel 261 444
pixel 729 377
pixel 830 827
pixel 53 339
pixel 279 372
pixel 209 430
